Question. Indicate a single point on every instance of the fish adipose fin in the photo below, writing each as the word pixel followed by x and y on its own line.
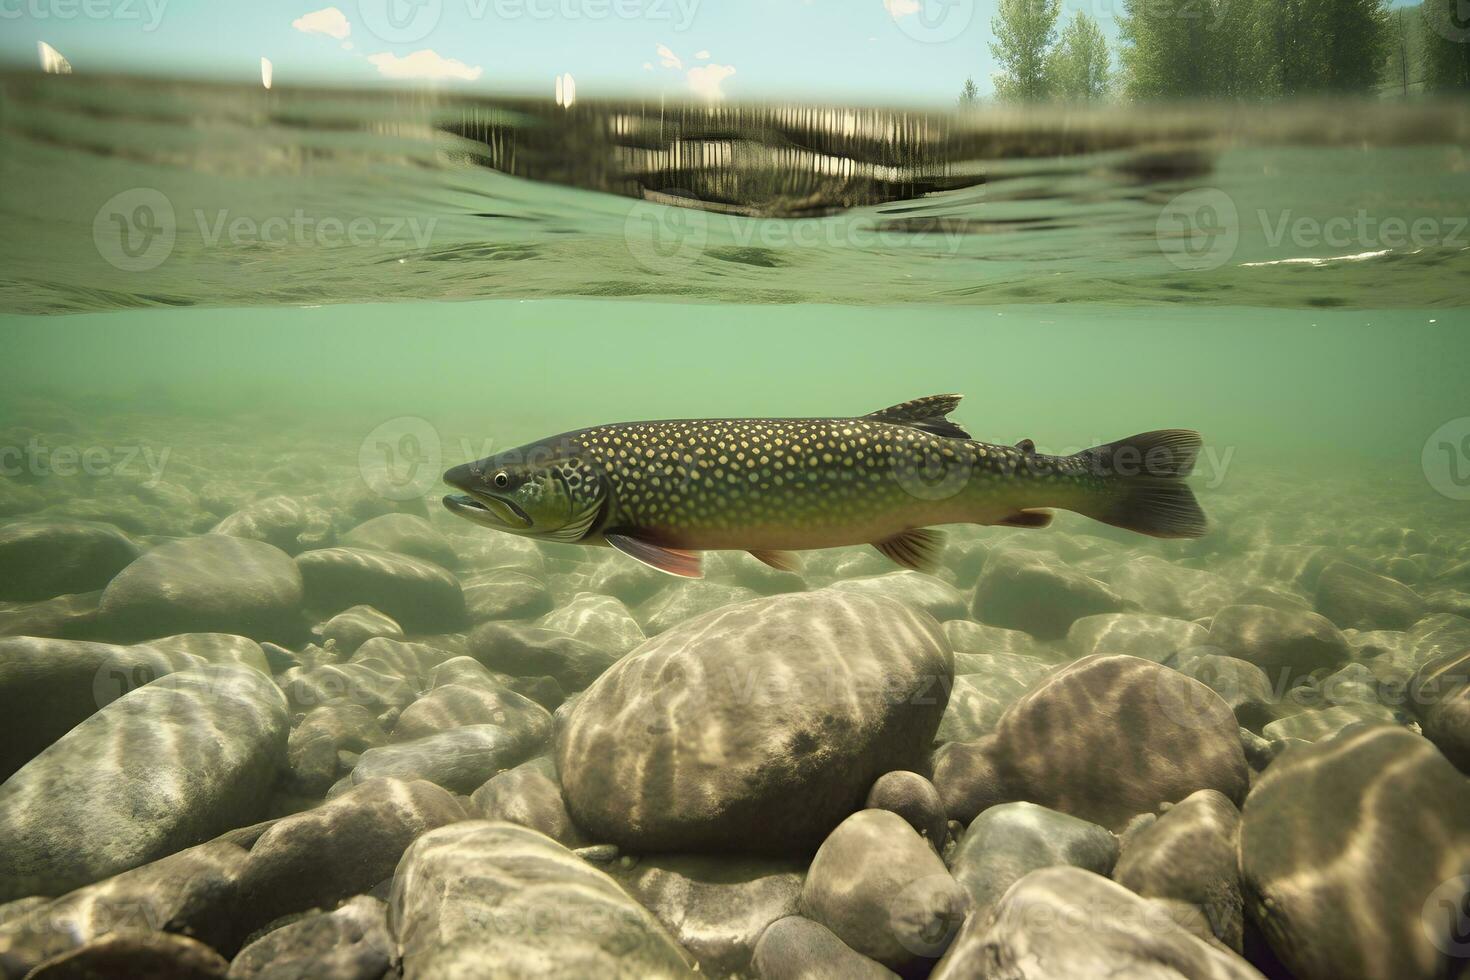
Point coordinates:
pixel 1144 484
pixel 686 564
pixel 917 548
pixel 928 414
pixel 783 561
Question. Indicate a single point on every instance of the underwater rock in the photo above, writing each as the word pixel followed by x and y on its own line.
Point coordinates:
pixel 505 594
pixel 403 534
pixel 1355 598
pixel 692 598
pixel 460 760
pixel 353 627
pixel 411 661
pixel 171 764
pixel 1060 745
pixel 1315 724
pixel 385 695
pixel 346 846
pixel 1027 591
pixel 47 687
pixel 744 569
pixel 290 523
pixel 1352 857
pixel 716 907
pixel 1188 855
pixel 313 750
pixel 550 913
pixel 1141 635
pixel 1289 646
pixel 424 597
pixel 482 550
pixel 1439 694
pixel 529 795
pixel 1064 923
pixel 156 955
pixel 796 948
pixel 1160 586
pixel 914 798
pixel 350 943
pixel 983 692
pixel 209 584
pixel 968 636
pixel 212 648
pixel 70 617
pixel 598 620
pixel 882 890
pixel 755 728
pixel 914 589
pixel 1243 687
pixel 483 703
pixel 193 892
pixel 41 559
pixel 1007 842
pixel 530 651
pixel 631 582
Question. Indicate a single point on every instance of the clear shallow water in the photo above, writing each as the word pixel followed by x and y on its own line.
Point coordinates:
pixel 259 341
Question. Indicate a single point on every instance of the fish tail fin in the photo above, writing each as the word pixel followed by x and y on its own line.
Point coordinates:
pixel 1143 486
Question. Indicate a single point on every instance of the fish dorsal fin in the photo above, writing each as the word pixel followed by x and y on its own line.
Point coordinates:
pixel 917 548
pixel 929 414
pixel 686 564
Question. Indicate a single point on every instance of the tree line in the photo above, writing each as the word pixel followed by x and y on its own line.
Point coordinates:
pixel 1228 49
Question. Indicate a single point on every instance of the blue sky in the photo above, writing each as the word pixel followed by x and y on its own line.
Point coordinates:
pixel 905 52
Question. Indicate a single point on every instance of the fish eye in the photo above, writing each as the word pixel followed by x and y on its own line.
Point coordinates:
pixel 502 480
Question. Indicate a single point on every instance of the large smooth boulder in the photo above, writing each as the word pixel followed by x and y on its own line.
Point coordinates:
pixel 1439 694
pixel 1353 857
pixel 350 943
pixel 1188 855
pixel 1355 598
pixel 290 523
pixel 796 948
pixel 422 596
pixel 480 895
pixel 405 534
pixel 353 627
pixel 1027 591
pixel 531 651
pixel 1007 842
pixel 598 620
pixel 164 767
pixel 1290 646
pixel 1141 635
pixel 754 728
pixel 1065 923
pixel 41 559
pixel 460 759
pixel 505 594
pixel 210 584
pixel 692 598
pixel 883 891
pixel 529 795
pixel 1102 739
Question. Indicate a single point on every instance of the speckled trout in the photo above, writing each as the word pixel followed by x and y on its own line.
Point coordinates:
pixel 662 492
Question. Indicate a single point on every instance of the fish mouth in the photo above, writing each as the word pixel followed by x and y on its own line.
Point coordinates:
pixel 487 510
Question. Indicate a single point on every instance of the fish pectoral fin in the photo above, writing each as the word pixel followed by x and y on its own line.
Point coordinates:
pixel 929 414
pixel 686 564
pixel 783 561
pixel 1027 518
pixel 917 548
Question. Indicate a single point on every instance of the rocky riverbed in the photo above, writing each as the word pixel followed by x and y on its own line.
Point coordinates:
pixel 257 720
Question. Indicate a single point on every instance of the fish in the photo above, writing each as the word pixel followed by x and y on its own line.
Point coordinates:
pixel 663 492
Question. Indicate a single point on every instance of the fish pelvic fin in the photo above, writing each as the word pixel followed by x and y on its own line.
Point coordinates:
pixel 917 548
pixel 928 414
pixel 783 561
pixel 1144 488
pixel 671 561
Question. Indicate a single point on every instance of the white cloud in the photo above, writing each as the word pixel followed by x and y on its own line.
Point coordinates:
pixel 648 66
pixel 667 58
pixel 701 55
pixel 705 80
pixel 899 9
pixel 424 64
pixel 329 21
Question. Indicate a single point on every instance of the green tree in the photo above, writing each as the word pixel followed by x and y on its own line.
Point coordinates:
pixel 1310 47
pixel 1174 48
pixel 969 94
pixel 1024 31
pixel 1446 56
pixel 1079 67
